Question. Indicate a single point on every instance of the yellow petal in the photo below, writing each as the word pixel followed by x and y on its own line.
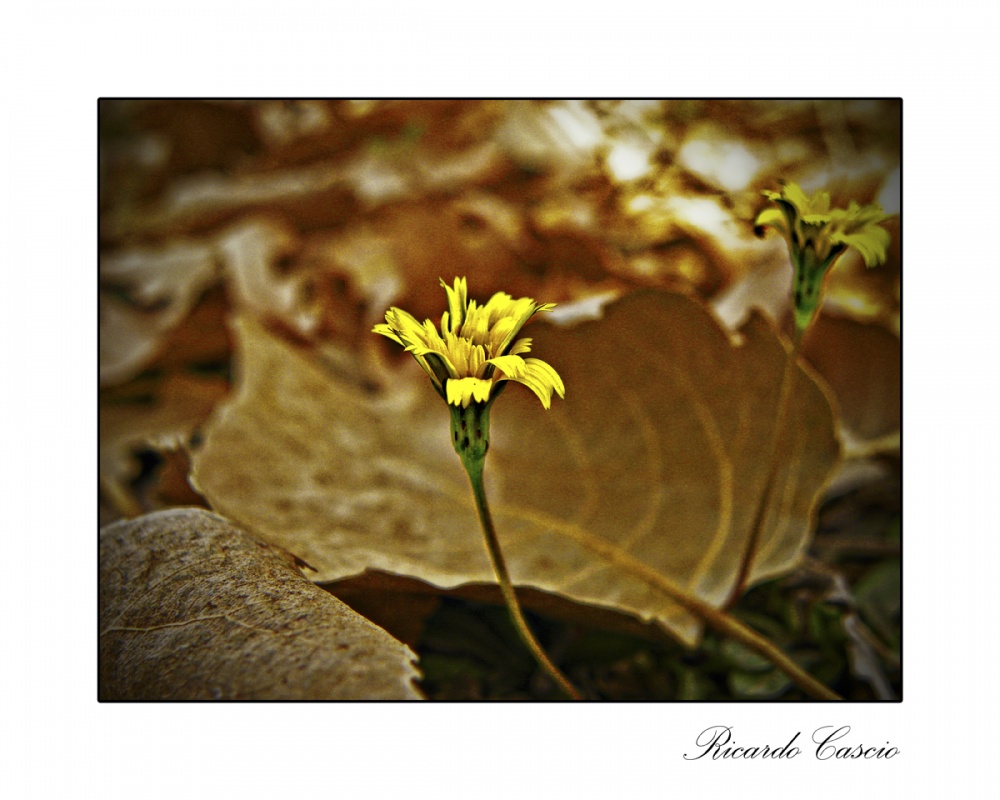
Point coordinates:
pixel 386 330
pixel 542 390
pixel 521 346
pixel 542 379
pixel 545 372
pixel 457 302
pixel 816 219
pixel 462 391
pixel 402 321
pixel 511 366
pixel 502 332
pixel 419 352
pixel 499 306
pixel 771 217
pixel 793 194
pixel 525 310
pixel 872 244
pixel 819 203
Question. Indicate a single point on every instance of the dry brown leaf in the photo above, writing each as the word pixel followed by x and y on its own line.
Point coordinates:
pixel 862 363
pixel 171 488
pixel 251 252
pixel 552 194
pixel 201 340
pixel 161 285
pixel 203 134
pixel 476 230
pixel 401 604
pixel 184 403
pixel 193 608
pixel 648 473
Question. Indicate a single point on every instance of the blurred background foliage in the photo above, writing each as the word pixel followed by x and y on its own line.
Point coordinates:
pixel 314 216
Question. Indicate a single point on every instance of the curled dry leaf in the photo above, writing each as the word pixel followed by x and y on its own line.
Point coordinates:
pixel 161 286
pixel 194 608
pixel 643 481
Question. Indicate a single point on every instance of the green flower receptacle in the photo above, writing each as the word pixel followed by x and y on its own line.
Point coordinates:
pixel 470 434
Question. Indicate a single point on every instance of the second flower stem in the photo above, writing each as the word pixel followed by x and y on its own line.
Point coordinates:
pixel 772 465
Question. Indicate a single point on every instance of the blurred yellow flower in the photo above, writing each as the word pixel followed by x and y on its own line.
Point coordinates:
pixel 817 235
pixel 476 349
pixel 813 224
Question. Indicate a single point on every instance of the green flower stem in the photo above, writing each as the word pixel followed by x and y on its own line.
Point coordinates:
pixel 472 453
pixel 767 495
pixel 470 436
pixel 807 289
pixel 734 629
pixel 718 620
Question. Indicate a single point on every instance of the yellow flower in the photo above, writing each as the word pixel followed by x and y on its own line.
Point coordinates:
pixel 810 223
pixel 476 349
pixel 817 235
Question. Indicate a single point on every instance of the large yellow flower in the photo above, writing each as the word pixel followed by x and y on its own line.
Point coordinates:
pixel 476 349
pixel 817 235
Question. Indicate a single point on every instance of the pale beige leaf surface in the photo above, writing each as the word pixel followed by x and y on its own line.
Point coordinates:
pixel 192 607
pixel 647 474
pixel 162 285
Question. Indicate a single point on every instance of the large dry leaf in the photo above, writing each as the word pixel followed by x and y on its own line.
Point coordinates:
pixel 192 607
pixel 649 472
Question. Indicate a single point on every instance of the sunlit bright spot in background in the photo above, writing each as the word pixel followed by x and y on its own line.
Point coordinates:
pixel 707 215
pixel 577 124
pixel 729 165
pixel 640 203
pixel 628 160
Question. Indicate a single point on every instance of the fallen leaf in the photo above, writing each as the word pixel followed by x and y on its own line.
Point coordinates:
pixel 251 252
pixel 202 340
pixel 398 603
pixel 183 403
pixel 171 488
pixel 525 194
pixel 282 122
pixel 203 134
pixel 646 477
pixel 862 363
pixel 147 292
pixel 559 137
pixel 193 608
pixel 402 614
